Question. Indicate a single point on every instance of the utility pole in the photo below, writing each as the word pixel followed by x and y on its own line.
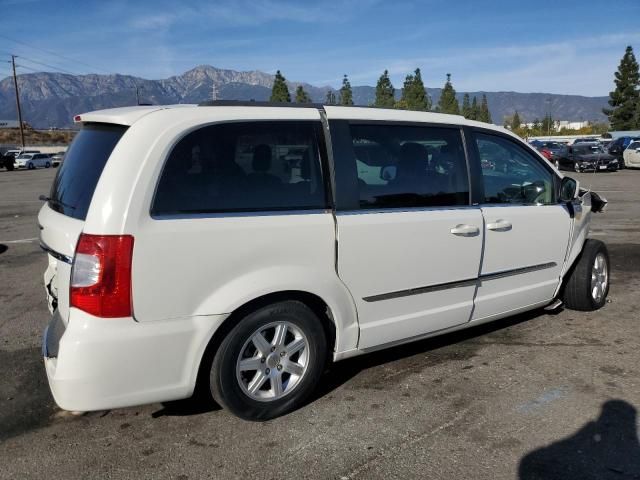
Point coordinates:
pixel 137 96
pixel 15 84
pixel 214 92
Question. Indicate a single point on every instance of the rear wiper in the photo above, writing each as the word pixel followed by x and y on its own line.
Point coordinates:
pixel 44 198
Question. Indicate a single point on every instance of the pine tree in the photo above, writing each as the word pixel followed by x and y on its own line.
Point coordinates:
pixel 485 115
pixel 625 99
pixel 384 92
pixel 330 99
pixel 302 96
pixel 414 95
pixel 466 106
pixel 280 91
pixel 475 111
pixel 448 102
pixel 515 121
pixel 346 94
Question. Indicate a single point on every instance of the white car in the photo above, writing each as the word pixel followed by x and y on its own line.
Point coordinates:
pixel 32 160
pixel 631 155
pixel 237 248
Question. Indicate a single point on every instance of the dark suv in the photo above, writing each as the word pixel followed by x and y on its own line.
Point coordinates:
pixel 586 156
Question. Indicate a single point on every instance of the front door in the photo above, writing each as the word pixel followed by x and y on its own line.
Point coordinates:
pixel 409 245
pixel 526 229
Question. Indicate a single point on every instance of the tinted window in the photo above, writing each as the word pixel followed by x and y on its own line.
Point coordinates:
pixel 511 174
pixel 405 166
pixel 78 175
pixel 239 167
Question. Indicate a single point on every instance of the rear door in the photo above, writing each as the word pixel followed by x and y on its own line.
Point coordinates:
pixel 62 218
pixel 409 242
pixel 526 230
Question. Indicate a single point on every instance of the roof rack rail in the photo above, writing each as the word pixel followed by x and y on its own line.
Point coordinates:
pixel 253 103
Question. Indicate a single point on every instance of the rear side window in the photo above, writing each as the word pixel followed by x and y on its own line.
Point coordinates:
pixel 84 161
pixel 402 166
pixel 243 167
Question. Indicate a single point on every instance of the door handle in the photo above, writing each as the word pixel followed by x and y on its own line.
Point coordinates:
pixel 465 230
pixel 500 226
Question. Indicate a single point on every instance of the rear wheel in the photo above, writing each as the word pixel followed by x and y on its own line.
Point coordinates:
pixel 270 361
pixel 30 166
pixel 47 165
pixel 588 284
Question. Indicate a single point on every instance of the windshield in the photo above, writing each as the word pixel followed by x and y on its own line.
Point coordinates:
pixel 78 176
pixel 25 156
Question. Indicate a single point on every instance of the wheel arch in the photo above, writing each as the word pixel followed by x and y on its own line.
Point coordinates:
pixel 317 304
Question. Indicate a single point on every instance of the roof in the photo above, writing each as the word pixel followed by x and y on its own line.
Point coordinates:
pixel 129 115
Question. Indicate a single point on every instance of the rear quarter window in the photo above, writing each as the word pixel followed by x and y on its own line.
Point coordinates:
pixel 243 167
pixel 76 180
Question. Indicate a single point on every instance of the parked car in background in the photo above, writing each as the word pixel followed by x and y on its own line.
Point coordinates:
pixel 550 150
pixel 585 140
pixel 57 159
pixel 216 261
pixel 32 160
pixel 618 146
pixel 631 155
pixel 586 157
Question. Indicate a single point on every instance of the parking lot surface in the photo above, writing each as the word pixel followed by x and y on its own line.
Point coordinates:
pixel 536 396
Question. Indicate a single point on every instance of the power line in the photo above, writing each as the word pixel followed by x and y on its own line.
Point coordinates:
pixel 29 68
pixel 69 59
pixel 45 65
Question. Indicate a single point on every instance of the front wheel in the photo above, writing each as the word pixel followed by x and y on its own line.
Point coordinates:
pixel 47 165
pixel 270 361
pixel 588 284
pixel 30 166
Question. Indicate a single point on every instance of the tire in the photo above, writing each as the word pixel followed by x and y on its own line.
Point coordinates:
pixel 580 291
pixel 230 384
pixel 30 166
pixel 47 165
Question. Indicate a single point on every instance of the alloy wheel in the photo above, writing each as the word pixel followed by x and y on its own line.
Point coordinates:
pixel 273 361
pixel 599 277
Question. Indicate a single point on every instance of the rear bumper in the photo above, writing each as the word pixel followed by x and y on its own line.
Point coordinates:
pixel 99 364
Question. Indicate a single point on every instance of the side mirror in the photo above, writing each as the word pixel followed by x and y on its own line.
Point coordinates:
pixel 388 172
pixel 568 189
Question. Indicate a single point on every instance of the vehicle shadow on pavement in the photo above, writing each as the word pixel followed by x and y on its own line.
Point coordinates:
pixel 461 343
pixel 607 447
pixel 3 248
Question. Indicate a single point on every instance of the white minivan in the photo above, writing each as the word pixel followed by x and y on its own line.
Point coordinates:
pixel 240 247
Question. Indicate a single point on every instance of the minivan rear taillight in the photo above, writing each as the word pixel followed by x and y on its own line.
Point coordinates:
pixel 101 275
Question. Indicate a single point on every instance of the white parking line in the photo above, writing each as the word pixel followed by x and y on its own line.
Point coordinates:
pixel 24 240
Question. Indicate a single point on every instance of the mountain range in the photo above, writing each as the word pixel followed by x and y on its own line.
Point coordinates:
pixel 52 99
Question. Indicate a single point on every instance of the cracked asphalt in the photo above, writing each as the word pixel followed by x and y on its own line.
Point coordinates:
pixel 536 396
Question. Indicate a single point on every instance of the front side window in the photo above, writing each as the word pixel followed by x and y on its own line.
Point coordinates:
pixel 243 167
pixel 402 166
pixel 511 174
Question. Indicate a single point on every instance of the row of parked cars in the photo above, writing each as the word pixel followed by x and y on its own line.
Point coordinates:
pixel 30 159
pixel 590 154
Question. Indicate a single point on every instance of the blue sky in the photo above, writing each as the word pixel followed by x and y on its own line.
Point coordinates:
pixel 545 46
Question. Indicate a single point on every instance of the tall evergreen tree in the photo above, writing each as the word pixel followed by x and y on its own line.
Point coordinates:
pixel 466 106
pixel 515 121
pixel 384 91
pixel 280 91
pixel 625 99
pixel 414 95
pixel 302 96
pixel 346 94
pixel 475 110
pixel 448 102
pixel 330 99
pixel 485 115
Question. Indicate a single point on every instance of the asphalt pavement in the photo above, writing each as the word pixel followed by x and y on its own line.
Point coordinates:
pixel 536 396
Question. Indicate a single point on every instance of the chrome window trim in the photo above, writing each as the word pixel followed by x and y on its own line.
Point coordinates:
pixel 406 210
pixel 264 213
